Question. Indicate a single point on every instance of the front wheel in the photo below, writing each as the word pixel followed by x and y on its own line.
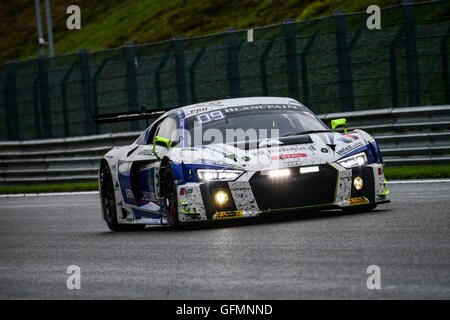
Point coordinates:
pixel 170 198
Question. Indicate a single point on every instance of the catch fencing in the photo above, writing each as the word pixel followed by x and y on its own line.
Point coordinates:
pixel 331 64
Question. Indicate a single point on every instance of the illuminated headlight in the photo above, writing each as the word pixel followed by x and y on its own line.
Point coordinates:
pixel 358 183
pixel 215 174
pixel 309 169
pixel 221 197
pixel 354 161
pixel 277 173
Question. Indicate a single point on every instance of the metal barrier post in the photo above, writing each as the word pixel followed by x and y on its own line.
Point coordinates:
pixel 91 127
pixel 180 70
pixel 305 82
pixel 192 75
pixel 131 84
pixel 344 63
pixel 291 59
pixel 411 53
pixel 262 66
pixel 233 64
pixel 12 117
pixel 45 97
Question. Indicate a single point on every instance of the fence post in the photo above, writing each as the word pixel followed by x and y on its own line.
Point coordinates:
pixel 86 83
pixel 411 53
pixel 262 66
pixel 180 70
pixel 44 92
pixel 192 75
pixel 94 83
pixel 131 85
pixel 444 58
pixel 12 118
pixel 233 63
pixel 37 116
pixel 291 59
pixel 64 99
pixel 393 68
pixel 344 63
pixel 158 79
pixel 305 82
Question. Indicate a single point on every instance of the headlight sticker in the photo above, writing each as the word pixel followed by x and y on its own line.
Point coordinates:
pixel 356 160
pixel 358 201
pixel 229 214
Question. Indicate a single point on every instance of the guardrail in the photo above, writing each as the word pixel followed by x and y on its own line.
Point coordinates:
pixel 406 136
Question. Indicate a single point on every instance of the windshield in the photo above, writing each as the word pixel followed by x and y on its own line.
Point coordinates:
pixel 246 123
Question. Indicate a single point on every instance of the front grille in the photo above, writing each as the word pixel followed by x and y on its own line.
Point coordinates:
pixel 296 190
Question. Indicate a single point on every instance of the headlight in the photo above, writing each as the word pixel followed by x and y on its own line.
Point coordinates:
pixel 218 174
pixel 221 197
pixel 358 183
pixel 354 161
pixel 276 173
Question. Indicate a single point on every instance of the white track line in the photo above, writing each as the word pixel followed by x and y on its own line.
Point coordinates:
pixel 418 181
pixel 47 194
pixel 16 195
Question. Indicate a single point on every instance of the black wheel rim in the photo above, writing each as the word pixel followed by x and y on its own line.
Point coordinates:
pixel 108 199
pixel 171 196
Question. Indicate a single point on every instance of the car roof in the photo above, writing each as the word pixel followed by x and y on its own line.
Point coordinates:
pixel 197 108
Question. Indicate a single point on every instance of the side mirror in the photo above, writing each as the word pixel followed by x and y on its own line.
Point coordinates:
pixel 160 141
pixel 163 142
pixel 339 123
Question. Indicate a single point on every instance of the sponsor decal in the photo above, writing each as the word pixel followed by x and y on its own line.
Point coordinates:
pixel 261 107
pixel 358 201
pixel 186 191
pixel 229 214
pixel 288 156
pixel 129 194
pixel 145 152
pixel 349 148
pixel 348 138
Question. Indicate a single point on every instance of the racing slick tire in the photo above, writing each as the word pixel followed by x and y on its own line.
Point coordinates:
pixel 109 203
pixel 171 198
pixel 359 209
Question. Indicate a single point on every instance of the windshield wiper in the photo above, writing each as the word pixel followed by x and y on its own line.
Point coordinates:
pixel 305 132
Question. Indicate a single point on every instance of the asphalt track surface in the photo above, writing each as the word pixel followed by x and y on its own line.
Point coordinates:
pixel 292 256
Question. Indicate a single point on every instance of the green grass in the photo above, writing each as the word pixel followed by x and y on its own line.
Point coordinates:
pixel 109 24
pixel 418 172
pixel 410 172
pixel 64 187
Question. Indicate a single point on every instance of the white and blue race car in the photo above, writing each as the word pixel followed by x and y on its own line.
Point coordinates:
pixel 237 158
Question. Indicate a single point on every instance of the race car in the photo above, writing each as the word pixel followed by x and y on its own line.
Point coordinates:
pixel 237 158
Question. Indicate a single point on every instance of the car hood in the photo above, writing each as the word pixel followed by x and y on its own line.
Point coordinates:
pixel 317 148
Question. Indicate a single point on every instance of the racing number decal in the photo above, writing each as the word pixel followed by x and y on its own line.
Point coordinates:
pixel 211 116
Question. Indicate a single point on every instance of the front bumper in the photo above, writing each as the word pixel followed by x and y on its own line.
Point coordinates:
pixel 254 193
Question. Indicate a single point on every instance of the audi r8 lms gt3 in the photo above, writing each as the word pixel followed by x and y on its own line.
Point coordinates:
pixel 236 158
